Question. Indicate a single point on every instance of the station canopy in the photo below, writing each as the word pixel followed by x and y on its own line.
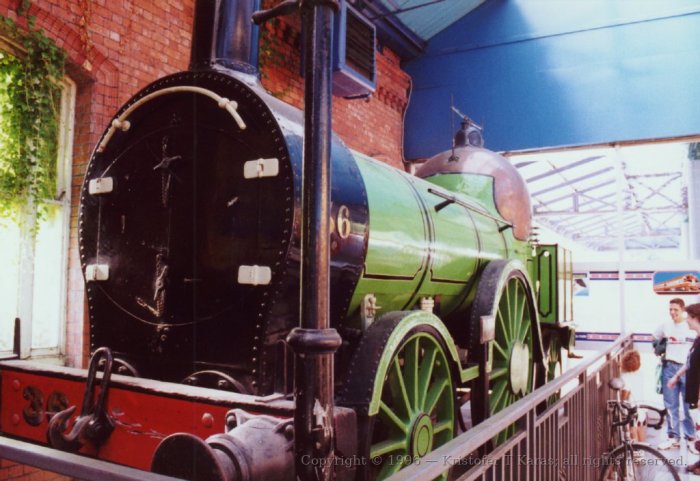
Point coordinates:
pixel 608 197
pixel 427 18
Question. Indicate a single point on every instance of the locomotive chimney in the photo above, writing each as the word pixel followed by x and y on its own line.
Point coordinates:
pixel 224 35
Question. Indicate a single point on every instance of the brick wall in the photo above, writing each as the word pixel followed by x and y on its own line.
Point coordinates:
pixel 116 48
pixel 373 126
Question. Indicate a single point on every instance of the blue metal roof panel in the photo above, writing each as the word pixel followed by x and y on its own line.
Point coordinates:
pixel 427 18
pixel 607 74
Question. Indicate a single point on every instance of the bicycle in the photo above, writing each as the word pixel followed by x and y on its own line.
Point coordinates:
pixel 627 460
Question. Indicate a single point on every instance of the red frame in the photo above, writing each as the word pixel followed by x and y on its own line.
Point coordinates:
pixel 145 411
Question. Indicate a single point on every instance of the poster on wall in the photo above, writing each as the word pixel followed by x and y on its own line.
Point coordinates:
pixel 581 284
pixel 676 282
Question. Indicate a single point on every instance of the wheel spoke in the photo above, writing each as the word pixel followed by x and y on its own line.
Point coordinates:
pixel 506 400
pixel 515 326
pixel 513 285
pixel 503 400
pixel 523 321
pixel 497 372
pixel 442 426
pixel 503 322
pixel 508 314
pixel 398 387
pixel 501 350
pixel 508 303
pixel 426 372
pixel 412 350
pixel 393 417
pixel 388 446
pixel 498 391
pixel 433 396
pixel 524 330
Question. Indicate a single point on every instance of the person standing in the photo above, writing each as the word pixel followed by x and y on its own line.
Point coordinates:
pixel 691 370
pixel 679 338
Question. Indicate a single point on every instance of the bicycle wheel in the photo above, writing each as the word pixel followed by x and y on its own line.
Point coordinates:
pixel 639 462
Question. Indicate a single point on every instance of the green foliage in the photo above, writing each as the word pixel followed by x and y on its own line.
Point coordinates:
pixel 270 50
pixel 30 93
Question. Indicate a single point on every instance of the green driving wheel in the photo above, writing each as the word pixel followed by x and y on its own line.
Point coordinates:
pixel 411 407
pixel 511 364
pixel 512 367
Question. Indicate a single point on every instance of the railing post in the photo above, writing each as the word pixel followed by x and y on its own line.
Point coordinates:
pixel 532 447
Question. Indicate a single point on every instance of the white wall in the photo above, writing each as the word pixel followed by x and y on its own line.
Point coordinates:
pixel 643 309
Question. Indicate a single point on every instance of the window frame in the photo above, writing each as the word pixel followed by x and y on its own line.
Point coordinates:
pixel 62 199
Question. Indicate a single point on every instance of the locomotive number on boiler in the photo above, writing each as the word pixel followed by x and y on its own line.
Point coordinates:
pixel 342 222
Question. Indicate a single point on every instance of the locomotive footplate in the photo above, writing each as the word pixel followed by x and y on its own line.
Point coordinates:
pixel 144 412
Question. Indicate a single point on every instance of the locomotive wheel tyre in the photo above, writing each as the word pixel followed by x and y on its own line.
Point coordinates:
pixel 555 362
pixel 401 384
pixel 504 292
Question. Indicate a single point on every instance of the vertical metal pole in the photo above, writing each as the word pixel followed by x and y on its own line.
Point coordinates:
pixel 621 244
pixel 314 343
pixel 693 182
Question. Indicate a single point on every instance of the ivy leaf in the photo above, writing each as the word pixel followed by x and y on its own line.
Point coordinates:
pixel 29 97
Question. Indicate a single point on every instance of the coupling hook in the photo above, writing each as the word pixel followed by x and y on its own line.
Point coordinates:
pixel 93 424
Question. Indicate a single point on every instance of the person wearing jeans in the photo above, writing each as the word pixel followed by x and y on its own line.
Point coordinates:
pixel 674 398
pixel 692 367
pixel 679 338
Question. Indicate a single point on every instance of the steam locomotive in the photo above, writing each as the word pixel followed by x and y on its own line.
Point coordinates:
pixel 189 233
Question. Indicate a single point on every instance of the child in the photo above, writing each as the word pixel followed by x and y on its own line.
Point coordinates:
pixel 630 363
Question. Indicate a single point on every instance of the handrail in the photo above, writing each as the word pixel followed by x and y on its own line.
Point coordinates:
pixel 452 199
pixel 433 464
pixel 74 465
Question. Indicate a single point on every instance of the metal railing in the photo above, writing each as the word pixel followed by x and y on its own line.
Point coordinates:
pixel 73 465
pixel 565 441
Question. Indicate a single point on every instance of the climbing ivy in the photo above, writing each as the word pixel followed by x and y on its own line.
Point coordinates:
pixel 30 94
pixel 270 48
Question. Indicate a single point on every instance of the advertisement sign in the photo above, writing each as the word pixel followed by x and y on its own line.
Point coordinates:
pixel 677 282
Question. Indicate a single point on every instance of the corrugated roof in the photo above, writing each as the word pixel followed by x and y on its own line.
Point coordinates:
pixel 598 196
pixel 427 18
